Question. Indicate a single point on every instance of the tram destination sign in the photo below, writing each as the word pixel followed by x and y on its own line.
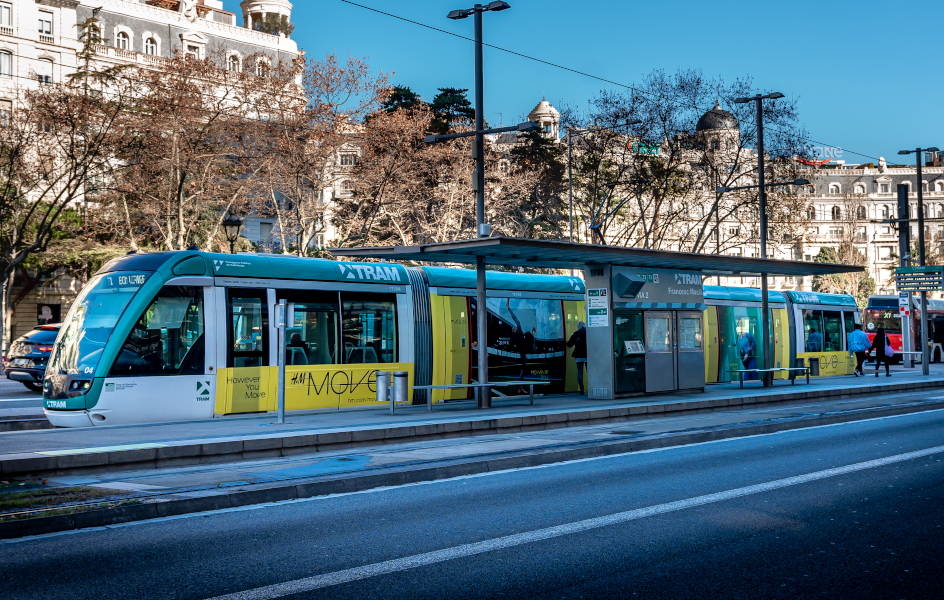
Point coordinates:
pixel 919 279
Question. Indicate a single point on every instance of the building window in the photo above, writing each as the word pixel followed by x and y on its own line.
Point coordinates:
pixel 150 47
pixel 860 189
pixel 265 231
pixel 44 71
pixel 261 68
pixel 939 186
pixel 715 145
pixel 6 112
pixel 834 188
pixel 122 42
pixel 883 188
pixel 349 160
pixel 835 232
pixel 232 63
pixel 812 213
pixel 860 212
pixel 924 186
pixel 6 15
pixel 6 65
pixel 836 213
pixel 347 185
pixel 734 231
pixel 193 52
pixel 45 23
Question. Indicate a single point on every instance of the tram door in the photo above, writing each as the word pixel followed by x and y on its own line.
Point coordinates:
pixel 660 351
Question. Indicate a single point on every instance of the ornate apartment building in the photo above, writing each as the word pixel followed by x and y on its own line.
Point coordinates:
pixel 39 43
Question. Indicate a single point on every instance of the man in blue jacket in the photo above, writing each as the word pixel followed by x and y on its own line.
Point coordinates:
pixel 858 346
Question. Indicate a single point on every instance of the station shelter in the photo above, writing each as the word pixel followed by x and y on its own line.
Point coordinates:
pixel 645 308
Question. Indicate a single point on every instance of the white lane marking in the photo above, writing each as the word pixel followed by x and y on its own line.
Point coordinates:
pixel 316 582
pixel 380 490
pixel 27 399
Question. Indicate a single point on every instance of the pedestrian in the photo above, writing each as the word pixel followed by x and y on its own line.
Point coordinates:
pixel 858 346
pixel 747 347
pixel 578 341
pixel 883 351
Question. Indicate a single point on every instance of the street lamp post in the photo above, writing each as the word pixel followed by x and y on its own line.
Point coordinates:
pixel 231 227
pixel 758 101
pixel 764 303
pixel 482 229
pixel 925 353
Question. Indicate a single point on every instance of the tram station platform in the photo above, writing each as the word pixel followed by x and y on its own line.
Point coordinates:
pixel 248 437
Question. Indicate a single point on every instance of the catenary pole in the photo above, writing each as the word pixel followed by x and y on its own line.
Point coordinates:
pixel 765 308
pixel 481 308
pixel 925 353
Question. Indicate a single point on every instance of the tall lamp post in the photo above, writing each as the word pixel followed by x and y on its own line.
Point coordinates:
pixel 765 309
pixel 478 185
pixel 925 354
pixel 231 227
pixel 758 102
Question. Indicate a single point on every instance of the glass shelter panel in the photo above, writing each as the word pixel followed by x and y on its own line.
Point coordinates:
pixel 167 338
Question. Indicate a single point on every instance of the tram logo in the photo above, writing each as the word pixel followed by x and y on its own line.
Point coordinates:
pixel 687 279
pixel 203 390
pixel 369 272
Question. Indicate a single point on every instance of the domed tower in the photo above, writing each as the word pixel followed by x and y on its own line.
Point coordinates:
pixel 254 10
pixel 548 118
pixel 718 129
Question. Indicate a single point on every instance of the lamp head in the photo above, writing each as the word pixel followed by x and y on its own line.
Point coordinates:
pixel 459 14
pixel 931 149
pixel 528 126
pixel 774 95
pixel 497 5
pixel 743 100
pixel 431 139
pixel 801 182
pixel 905 151
pixel 721 190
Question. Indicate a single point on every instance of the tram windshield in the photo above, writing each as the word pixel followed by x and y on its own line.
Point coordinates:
pixel 91 320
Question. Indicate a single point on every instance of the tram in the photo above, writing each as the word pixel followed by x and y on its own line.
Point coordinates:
pixel 803 325
pixel 188 335
pixel 884 311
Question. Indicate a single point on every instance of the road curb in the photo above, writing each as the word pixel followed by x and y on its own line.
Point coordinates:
pixel 229 449
pixel 423 473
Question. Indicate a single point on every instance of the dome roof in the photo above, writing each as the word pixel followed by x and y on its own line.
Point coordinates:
pixel 717 118
pixel 544 109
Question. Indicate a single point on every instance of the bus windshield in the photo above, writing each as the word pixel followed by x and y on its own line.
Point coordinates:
pixel 882 317
pixel 91 320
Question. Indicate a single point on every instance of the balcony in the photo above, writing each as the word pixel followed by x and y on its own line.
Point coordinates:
pixel 6 30
pixel 47 39
pixel 129 56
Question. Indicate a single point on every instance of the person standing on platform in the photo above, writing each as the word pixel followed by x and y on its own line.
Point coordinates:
pixel 578 341
pixel 858 346
pixel 879 344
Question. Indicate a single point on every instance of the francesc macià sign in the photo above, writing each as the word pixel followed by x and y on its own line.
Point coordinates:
pixel 657 286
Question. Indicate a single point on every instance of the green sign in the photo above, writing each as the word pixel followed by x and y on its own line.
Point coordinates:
pixel 644 148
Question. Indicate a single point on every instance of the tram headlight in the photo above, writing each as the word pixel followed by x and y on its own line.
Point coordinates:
pixel 80 386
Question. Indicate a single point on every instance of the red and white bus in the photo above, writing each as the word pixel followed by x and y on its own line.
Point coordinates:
pixel 883 311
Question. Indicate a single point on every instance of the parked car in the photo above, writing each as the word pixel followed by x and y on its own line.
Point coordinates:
pixel 27 356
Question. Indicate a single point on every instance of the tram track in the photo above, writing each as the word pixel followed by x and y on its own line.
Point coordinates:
pixel 610 440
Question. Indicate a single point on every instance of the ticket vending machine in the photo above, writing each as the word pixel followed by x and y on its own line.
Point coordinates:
pixel 645 331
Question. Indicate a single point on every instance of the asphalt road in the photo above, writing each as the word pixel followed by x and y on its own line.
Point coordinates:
pixel 14 394
pixel 689 522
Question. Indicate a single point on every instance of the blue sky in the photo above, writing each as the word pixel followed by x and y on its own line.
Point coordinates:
pixel 867 74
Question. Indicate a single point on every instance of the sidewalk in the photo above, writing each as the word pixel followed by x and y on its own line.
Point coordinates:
pixel 65 451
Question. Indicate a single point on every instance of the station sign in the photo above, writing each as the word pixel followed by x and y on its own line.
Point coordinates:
pixel 657 286
pixel 598 308
pixel 644 148
pixel 919 279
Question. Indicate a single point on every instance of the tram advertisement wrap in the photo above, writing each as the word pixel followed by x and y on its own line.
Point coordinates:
pixel 306 387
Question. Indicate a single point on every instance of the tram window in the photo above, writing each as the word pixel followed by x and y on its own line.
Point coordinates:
pixel 848 319
pixel 813 330
pixel 832 330
pixel 312 337
pixel 167 338
pixel 249 328
pixel 369 328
